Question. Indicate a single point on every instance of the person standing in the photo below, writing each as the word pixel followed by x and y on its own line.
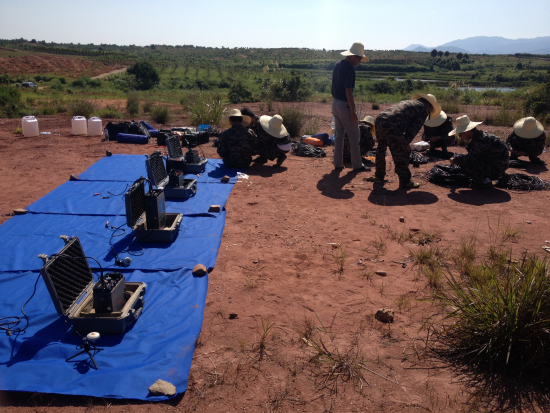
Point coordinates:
pixel 343 107
pixel 396 127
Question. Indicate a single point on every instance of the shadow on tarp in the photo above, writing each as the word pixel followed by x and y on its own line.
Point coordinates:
pixel 479 197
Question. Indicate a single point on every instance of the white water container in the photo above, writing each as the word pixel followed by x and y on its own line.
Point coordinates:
pixel 79 125
pixel 94 127
pixel 30 126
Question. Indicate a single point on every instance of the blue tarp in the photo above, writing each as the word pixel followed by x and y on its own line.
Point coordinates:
pixel 128 168
pixel 77 198
pixel 161 344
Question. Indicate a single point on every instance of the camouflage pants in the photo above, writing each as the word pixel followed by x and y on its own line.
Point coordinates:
pixel 399 152
pixel 478 171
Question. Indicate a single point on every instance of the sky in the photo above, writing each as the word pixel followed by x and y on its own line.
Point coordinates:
pixel 315 24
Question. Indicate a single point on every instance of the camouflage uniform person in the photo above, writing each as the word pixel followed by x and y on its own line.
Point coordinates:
pixel 487 158
pixel 527 139
pixel 366 141
pixel 396 127
pixel 237 144
pixel 436 132
pixel 272 139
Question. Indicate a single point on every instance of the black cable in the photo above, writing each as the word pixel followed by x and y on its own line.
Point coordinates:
pixel 111 194
pixel 417 158
pixel 307 150
pixel 10 330
pixel 127 250
pixel 523 182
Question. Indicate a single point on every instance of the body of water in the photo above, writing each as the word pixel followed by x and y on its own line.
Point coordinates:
pixel 476 88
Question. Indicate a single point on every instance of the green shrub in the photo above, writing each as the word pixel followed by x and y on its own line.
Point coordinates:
pixel 204 109
pixel 294 119
pixel 161 114
pixel 289 89
pixel 503 117
pixel 375 106
pixel 148 106
pixel 18 131
pixel 109 112
pixel 312 125
pixel 239 93
pixel 52 106
pixel 132 103
pixel 145 74
pixel 81 107
pixel 10 102
pixel 538 101
pixel 450 106
pixel 84 82
pixel 499 316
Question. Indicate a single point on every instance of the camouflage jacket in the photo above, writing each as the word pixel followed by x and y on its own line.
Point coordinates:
pixel 237 146
pixel 441 130
pixel 532 147
pixel 366 142
pixel 406 117
pixel 484 148
pixel 266 145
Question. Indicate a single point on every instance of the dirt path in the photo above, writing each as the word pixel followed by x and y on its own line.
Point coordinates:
pixel 113 72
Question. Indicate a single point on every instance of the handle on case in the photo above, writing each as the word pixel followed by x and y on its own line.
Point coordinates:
pixel 137 313
pixel 194 188
pixel 178 221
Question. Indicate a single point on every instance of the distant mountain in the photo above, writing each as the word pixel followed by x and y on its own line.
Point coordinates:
pixel 490 45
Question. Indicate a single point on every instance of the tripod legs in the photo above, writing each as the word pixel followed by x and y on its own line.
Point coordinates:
pixel 87 348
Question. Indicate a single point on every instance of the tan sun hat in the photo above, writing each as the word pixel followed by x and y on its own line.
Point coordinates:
pixel 236 112
pixel 463 124
pixel 528 128
pixel 273 125
pixel 437 121
pixel 356 49
pixel 433 101
pixel 368 119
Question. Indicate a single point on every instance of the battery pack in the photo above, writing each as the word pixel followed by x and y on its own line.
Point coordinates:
pixel 108 293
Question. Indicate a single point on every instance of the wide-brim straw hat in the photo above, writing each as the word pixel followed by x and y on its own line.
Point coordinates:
pixel 528 128
pixel 236 112
pixel 274 126
pixel 356 49
pixel 436 108
pixel 463 124
pixel 437 121
pixel 368 119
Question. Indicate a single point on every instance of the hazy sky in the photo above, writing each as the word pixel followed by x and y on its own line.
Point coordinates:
pixel 329 24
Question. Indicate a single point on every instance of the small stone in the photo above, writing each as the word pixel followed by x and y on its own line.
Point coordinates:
pixel 383 226
pixel 108 153
pixel 381 273
pixel 414 229
pixel 233 316
pixel 401 219
pixel 527 222
pixel 384 315
pixel 199 270
pixel 225 179
pixel 74 177
pixel 161 387
pixel 214 208
pixel 20 211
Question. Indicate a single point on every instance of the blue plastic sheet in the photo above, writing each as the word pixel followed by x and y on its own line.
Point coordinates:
pixel 79 198
pixel 128 168
pixel 159 345
pixel 24 237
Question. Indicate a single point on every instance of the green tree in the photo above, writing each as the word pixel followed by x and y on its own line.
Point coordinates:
pixel 440 53
pixel 459 56
pixel 433 53
pixel 146 76
pixel 447 53
pixel 466 56
pixel 519 66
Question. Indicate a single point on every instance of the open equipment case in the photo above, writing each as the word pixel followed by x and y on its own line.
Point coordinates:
pixel 146 214
pixel 71 285
pixel 193 163
pixel 175 186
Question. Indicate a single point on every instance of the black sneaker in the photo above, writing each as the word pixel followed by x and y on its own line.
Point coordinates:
pixel 280 160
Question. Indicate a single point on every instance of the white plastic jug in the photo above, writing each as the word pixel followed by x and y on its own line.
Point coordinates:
pixel 94 127
pixel 29 126
pixel 79 125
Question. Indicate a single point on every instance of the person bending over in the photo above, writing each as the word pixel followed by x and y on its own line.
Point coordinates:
pixel 487 158
pixel 527 139
pixel 436 132
pixel 237 144
pixel 343 107
pixel 272 140
pixel 396 127
pixel 366 142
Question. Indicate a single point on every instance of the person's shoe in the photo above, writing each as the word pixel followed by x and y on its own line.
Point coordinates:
pixel 260 159
pixel 280 160
pixel 363 168
pixel 537 161
pixel 340 168
pixel 376 180
pixel 410 185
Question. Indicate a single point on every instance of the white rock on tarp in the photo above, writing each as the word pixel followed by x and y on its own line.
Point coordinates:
pixel 161 387
pixel 384 315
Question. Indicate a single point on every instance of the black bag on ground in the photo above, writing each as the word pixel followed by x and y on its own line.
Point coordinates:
pixel 448 175
pixel 113 129
pixel 307 150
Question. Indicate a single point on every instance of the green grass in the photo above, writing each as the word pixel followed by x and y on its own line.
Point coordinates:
pixel 205 108
pixel 109 112
pixel 294 119
pixel 81 107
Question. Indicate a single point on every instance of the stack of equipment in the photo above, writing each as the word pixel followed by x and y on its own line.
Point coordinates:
pixel 194 164
pixel 146 214
pixel 107 306
pixel 173 183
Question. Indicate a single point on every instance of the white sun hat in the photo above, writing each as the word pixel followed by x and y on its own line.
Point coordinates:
pixel 236 112
pixel 437 121
pixel 528 128
pixel 273 125
pixel 436 108
pixel 356 49
pixel 463 124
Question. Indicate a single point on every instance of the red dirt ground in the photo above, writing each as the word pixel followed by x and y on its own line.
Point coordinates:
pixel 52 64
pixel 277 265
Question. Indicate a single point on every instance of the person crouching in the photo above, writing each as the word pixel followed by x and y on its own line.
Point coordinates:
pixel 527 139
pixel 272 140
pixel 237 144
pixel 436 132
pixel 487 158
pixel 366 141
